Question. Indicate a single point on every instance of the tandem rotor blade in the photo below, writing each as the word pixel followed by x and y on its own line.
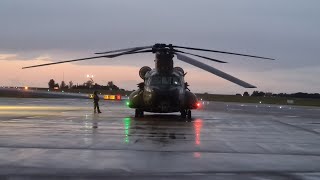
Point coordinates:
pixel 82 59
pixel 223 52
pixel 201 56
pixel 126 49
pixel 127 53
pixel 213 70
pixel 60 62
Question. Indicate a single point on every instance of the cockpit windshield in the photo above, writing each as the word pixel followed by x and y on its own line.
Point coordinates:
pixel 165 80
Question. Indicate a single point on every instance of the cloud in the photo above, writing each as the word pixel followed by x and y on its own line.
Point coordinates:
pixel 44 58
pixel 8 56
pixel 16 57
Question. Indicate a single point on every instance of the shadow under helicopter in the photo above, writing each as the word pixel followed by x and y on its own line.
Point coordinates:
pixel 163 117
pixel 162 130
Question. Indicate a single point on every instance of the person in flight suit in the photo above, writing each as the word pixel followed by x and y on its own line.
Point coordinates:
pixel 96 102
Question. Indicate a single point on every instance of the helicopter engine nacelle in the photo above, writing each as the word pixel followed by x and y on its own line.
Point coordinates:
pixel 143 71
pixel 179 69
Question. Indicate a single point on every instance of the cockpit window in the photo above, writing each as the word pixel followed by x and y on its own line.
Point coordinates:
pixel 155 80
pixel 165 80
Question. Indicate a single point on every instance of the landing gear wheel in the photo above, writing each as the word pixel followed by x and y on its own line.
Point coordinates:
pixel 138 113
pixel 183 113
pixel 141 113
pixel 189 114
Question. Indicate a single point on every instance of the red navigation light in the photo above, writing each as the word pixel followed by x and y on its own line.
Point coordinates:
pixel 118 97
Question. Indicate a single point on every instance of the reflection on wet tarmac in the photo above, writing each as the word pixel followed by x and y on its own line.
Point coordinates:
pixel 127 123
pixel 95 120
pixel 161 130
pixel 197 155
pixel 197 130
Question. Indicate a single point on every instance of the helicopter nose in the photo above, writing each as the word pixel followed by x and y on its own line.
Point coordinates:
pixel 166 96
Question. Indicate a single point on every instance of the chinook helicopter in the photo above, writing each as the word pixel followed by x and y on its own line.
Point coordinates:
pixel 164 89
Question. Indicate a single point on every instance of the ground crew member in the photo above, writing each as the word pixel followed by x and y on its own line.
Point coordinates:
pixel 96 102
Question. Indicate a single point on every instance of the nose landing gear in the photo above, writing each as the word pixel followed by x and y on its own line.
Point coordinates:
pixel 186 113
pixel 138 113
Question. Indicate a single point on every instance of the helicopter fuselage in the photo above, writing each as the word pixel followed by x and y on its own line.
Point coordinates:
pixel 163 93
pixel 164 89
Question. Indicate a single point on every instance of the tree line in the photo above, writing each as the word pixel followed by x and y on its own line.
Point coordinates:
pixel 293 95
pixel 90 84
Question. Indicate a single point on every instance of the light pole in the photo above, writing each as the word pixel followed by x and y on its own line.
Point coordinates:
pixel 90 76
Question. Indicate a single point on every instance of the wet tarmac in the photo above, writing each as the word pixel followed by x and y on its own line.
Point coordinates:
pixel 57 138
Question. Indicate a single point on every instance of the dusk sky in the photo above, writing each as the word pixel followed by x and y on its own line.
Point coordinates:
pixel 40 31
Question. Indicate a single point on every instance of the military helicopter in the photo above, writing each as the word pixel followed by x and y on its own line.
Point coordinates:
pixel 164 89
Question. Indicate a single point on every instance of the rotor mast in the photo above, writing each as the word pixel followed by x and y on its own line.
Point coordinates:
pixel 163 58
